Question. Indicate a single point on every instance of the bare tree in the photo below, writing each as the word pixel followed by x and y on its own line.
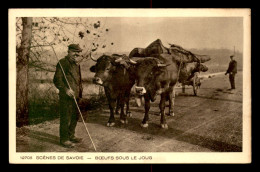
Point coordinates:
pixel 37 38
pixel 23 53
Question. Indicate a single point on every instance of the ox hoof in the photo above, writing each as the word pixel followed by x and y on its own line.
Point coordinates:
pixel 144 125
pixel 129 114
pixel 110 124
pixel 124 121
pixel 164 126
pixel 159 92
pixel 171 114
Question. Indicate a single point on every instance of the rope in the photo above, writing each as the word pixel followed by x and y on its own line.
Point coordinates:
pixel 179 71
pixel 75 100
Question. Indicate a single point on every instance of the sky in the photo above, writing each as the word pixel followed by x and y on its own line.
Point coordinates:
pixel 189 32
pixel 127 33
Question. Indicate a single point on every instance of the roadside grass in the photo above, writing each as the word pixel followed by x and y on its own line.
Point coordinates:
pixel 44 101
pixel 43 95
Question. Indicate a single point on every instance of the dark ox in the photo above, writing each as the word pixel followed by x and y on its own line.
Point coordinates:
pixel 157 72
pixel 154 78
pixel 188 71
pixel 195 67
pixel 114 74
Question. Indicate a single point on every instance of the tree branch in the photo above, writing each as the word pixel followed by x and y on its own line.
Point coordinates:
pixel 47 45
pixel 41 66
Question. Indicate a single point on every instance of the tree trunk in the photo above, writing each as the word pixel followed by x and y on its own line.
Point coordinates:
pixel 22 112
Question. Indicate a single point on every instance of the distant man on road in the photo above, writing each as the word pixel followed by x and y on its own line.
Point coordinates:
pixel 68 110
pixel 232 70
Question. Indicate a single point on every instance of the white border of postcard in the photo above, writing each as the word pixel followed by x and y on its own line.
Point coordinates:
pixel 174 157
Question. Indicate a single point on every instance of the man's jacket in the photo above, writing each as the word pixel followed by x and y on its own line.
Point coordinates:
pixel 73 75
pixel 232 68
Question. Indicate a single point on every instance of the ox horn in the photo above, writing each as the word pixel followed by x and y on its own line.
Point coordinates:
pixel 95 60
pixel 132 61
pixel 202 58
pixel 118 60
pixel 161 65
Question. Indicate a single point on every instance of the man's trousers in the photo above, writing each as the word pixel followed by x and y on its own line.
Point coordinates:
pixel 232 80
pixel 69 116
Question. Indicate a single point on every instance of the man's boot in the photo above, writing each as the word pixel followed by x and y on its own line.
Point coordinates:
pixel 67 144
pixel 74 139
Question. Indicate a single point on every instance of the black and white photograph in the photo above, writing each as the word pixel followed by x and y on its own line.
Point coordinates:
pixel 129 86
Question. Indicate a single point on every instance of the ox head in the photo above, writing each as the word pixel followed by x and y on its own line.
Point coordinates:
pixel 105 67
pixel 200 67
pixel 149 72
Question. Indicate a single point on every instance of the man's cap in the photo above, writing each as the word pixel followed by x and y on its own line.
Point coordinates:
pixel 232 55
pixel 75 47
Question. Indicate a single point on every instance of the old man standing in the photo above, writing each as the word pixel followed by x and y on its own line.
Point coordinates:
pixel 70 87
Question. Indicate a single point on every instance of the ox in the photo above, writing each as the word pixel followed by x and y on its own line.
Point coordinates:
pixel 114 73
pixel 158 73
pixel 188 71
pixel 191 68
pixel 154 78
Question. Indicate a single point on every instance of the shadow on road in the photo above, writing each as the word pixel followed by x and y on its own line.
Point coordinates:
pixel 216 98
pixel 41 137
pixel 133 125
pixel 171 133
pixel 45 137
pixel 210 97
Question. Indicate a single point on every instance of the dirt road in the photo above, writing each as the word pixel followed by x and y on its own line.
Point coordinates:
pixel 209 122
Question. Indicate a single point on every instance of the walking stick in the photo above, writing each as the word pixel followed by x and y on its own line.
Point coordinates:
pixel 74 100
